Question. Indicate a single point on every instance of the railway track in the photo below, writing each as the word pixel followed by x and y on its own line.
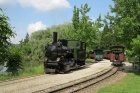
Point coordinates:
pixel 78 85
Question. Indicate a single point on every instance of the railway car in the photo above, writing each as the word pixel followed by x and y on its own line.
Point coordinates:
pixel 117 54
pixel 106 54
pixel 98 54
pixel 63 55
pixel 90 55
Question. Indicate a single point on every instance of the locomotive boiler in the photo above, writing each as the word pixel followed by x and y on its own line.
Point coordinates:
pixel 63 55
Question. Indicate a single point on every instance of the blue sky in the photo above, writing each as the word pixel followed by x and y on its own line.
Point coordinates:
pixel 31 15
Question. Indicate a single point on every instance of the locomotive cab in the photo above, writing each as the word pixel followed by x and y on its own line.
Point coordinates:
pixel 78 49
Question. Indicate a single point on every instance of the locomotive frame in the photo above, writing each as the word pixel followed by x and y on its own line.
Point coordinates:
pixel 63 55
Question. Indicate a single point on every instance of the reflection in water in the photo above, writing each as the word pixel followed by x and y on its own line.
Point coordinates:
pixel 3 68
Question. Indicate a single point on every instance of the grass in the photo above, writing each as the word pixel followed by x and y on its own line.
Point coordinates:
pixel 89 60
pixel 130 84
pixel 28 71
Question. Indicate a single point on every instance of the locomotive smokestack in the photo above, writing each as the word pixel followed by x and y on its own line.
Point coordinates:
pixel 54 37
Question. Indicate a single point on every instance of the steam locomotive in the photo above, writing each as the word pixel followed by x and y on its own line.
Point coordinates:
pixel 63 55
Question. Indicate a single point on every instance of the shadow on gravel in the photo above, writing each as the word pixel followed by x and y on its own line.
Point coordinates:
pixel 77 69
pixel 74 70
pixel 130 69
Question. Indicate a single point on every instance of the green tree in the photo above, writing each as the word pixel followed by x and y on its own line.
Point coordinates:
pixel 76 18
pixel 26 38
pixel 38 42
pixel 108 36
pixel 26 47
pixel 14 60
pixel 87 33
pixel 126 21
pixel 97 26
pixel 5 34
pixel 135 52
pixel 112 30
pixel 83 27
pixel 136 47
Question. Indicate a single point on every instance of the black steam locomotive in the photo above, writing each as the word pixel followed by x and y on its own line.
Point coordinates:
pixel 63 55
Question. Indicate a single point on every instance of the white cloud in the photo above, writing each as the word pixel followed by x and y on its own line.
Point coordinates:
pixel 40 5
pixel 7 2
pixel 20 35
pixel 45 5
pixel 35 27
pixel 93 19
pixel 31 28
pixel 15 40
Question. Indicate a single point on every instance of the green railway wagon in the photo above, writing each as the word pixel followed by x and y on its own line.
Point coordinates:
pixel 98 54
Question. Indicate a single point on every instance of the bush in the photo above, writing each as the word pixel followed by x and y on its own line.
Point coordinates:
pixel 14 63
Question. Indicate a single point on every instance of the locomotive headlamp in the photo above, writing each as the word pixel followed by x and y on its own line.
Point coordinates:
pixel 58 59
pixel 46 58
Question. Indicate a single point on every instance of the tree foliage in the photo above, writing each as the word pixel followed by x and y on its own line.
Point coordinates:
pixel 136 47
pixel 8 54
pixel 84 28
pixel 135 51
pixel 126 21
pixel 25 45
pixel 5 34
pixel 97 27
pixel 26 38
pixel 14 60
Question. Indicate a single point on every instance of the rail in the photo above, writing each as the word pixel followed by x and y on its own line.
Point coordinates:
pixel 77 85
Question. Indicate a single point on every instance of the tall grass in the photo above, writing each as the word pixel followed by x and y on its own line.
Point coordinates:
pixel 130 84
pixel 32 70
pixel 28 71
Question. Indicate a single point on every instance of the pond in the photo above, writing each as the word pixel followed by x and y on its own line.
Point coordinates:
pixel 3 68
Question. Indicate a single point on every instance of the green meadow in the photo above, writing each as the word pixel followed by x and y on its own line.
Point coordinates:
pixel 27 71
pixel 130 84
